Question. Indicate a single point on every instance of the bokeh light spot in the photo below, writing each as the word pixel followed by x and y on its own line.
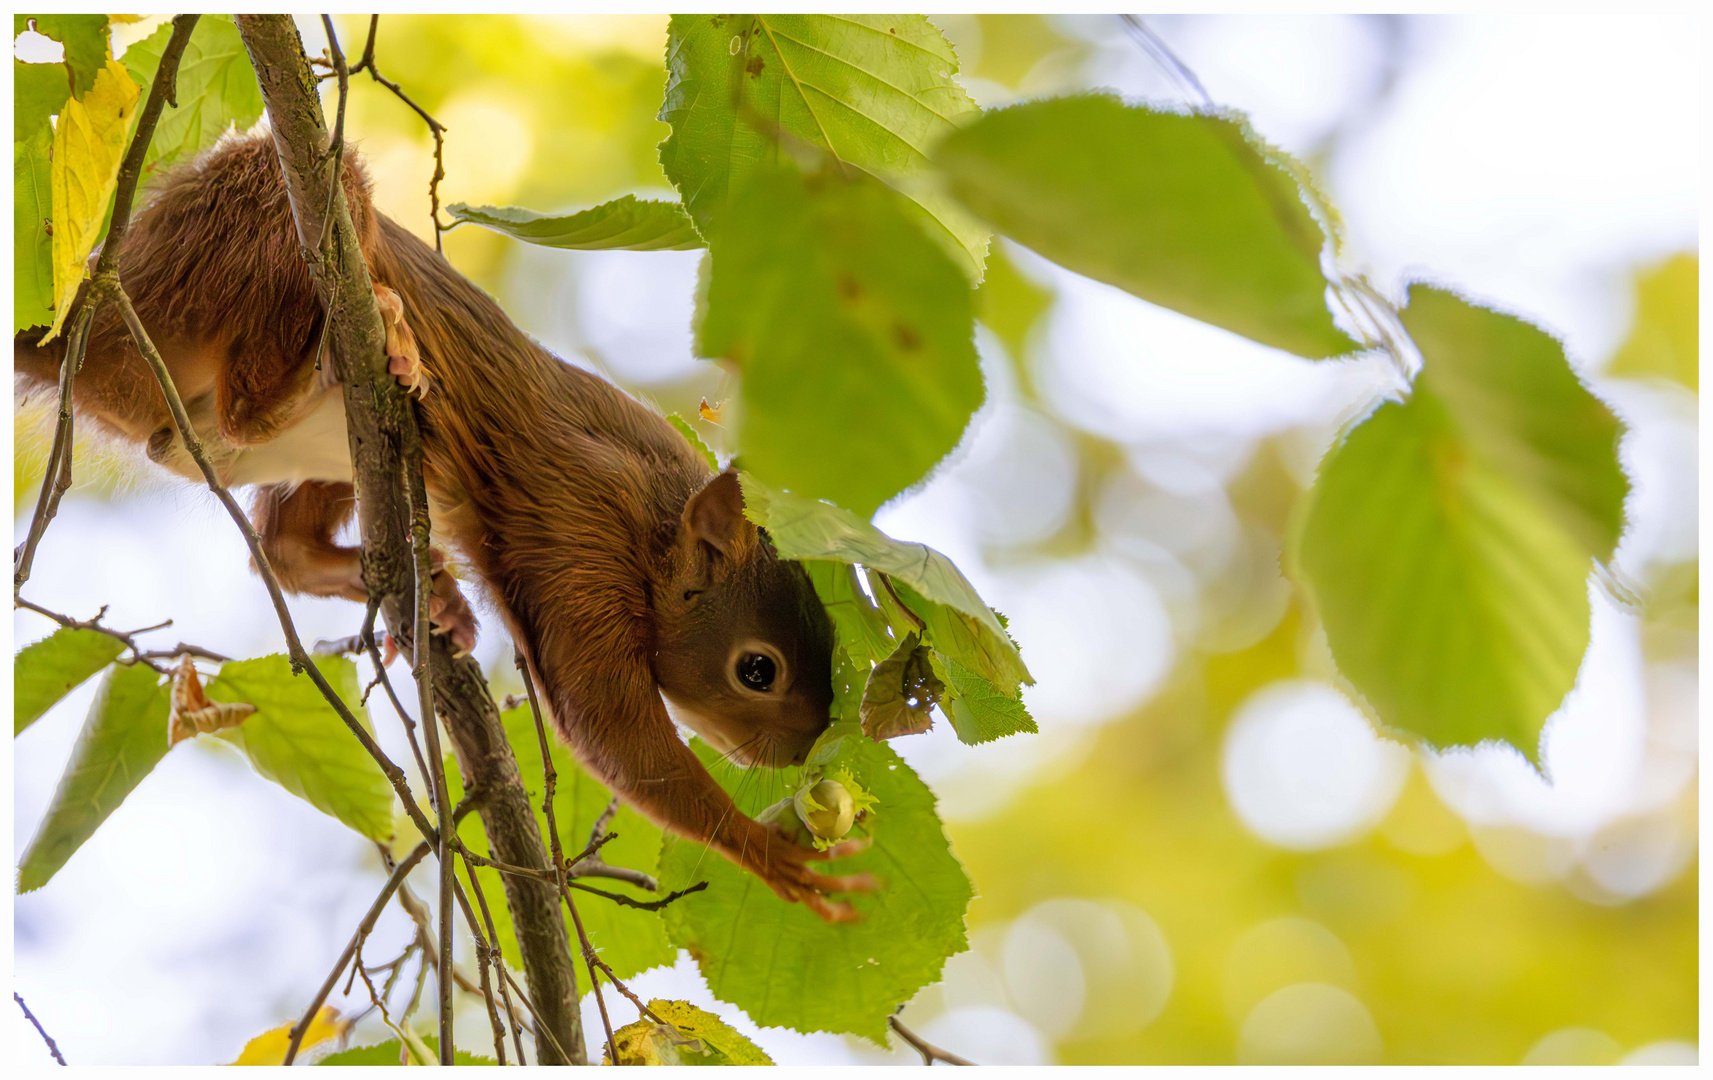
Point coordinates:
pixel 1574 1046
pixel 1282 952
pixel 1304 769
pixel 1309 1024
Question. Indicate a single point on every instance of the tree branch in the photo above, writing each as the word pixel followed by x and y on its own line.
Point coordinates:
pixel 385 447
pixel 40 1030
pixel 930 1053
pixel 393 882
pixel 124 637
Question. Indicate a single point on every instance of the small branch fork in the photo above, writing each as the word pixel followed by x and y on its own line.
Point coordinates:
pixel 589 863
pixel 550 781
pixel 125 637
pixel 930 1053
pixel 40 1030
pixel 335 66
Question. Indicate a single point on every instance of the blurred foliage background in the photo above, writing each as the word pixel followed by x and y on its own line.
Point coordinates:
pixel 1205 856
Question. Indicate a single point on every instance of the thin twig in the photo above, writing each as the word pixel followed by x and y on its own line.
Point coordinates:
pixel 641 905
pixel 52 1048
pixel 418 911
pixel 930 1053
pixel 487 945
pixel 591 865
pixel 394 880
pixel 1157 51
pixel 56 477
pixel 182 649
pixel 338 145
pixel 124 637
pixel 592 962
pixel 538 1029
pixel 423 669
pixel 494 956
pixel 368 638
pixel 435 128
pixel 300 660
pixel 551 779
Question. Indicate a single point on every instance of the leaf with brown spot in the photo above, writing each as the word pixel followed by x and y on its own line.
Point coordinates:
pixel 901 693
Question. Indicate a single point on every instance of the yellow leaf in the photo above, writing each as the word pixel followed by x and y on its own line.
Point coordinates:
pixel 89 142
pixel 269 1048
pixel 1665 341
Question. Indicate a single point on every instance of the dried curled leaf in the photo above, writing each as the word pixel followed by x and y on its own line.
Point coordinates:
pixel 192 713
pixel 902 692
pixel 710 413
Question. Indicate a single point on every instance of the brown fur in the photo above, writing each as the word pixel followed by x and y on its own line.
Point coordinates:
pixel 586 515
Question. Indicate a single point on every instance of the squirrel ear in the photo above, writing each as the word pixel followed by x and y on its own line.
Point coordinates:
pixel 715 515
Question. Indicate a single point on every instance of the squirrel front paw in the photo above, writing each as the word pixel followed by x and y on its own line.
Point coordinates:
pixel 404 361
pixel 783 865
pixel 448 612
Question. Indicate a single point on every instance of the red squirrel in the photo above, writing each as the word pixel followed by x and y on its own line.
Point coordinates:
pixel 621 563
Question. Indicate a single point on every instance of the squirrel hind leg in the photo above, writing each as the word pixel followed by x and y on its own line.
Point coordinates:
pixel 297 523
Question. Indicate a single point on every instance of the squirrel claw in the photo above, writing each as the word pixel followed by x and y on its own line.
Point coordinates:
pixel 449 614
pixel 404 361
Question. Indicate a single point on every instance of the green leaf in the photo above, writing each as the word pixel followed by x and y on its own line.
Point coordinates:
pixel 853 334
pixel 32 246
pixel 39 91
pixel 1010 304
pixel 862 630
pixel 1521 406
pixel 630 941
pixel 123 738
pixel 970 640
pixel 1666 338
pixel 84 38
pixel 388 1053
pixel 626 224
pixel 1190 211
pixel 683 427
pixel 690 1036
pixel 981 712
pixel 217 89
pixel 51 668
pixel 958 622
pixel 1448 541
pixel 780 962
pixel 297 740
pixel 872 91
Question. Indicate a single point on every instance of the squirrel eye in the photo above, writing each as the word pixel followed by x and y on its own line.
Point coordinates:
pixel 690 594
pixel 756 671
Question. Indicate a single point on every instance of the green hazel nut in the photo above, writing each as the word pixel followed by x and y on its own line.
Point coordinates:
pixel 836 815
pixel 783 815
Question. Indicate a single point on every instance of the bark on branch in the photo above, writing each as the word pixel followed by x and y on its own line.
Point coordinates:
pixel 386 451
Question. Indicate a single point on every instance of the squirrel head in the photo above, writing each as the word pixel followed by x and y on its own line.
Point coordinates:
pixel 743 646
